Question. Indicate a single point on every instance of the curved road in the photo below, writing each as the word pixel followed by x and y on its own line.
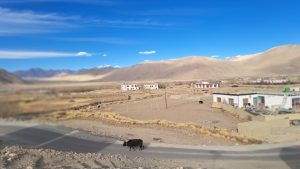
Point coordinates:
pixel 65 139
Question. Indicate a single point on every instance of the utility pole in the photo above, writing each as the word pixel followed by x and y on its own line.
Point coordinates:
pixel 166 102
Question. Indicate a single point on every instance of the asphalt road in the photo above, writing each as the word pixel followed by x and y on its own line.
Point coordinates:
pixel 66 139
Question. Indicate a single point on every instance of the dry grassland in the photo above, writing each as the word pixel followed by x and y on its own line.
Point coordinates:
pixel 116 118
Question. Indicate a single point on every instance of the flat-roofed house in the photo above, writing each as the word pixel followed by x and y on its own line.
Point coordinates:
pixel 129 87
pixel 295 89
pixel 151 86
pixel 260 100
pixel 207 84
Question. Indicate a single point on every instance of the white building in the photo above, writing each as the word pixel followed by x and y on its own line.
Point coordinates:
pixel 260 100
pixel 269 81
pixel 276 81
pixel 206 84
pixel 129 87
pixel 152 86
pixel 259 80
pixel 295 89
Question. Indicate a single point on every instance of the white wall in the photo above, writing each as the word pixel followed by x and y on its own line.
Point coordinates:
pixel 238 100
pixel 128 87
pixel 295 89
pixel 271 101
pixel 225 98
pixel 153 86
pixel 249 97
pixel 274 100
pixel 207 85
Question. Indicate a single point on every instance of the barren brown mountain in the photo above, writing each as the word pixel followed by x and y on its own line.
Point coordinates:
pixel 282 60
pixel 8 78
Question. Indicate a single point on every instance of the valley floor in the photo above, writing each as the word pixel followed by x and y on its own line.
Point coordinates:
pixel 104 110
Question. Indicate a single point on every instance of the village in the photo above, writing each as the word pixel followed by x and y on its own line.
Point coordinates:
pixel 272 116
pixel 194 115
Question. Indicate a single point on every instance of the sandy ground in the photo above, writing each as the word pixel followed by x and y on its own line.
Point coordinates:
pixel 181 108
pixel 21 158
pixel 16 157
pixel 148 133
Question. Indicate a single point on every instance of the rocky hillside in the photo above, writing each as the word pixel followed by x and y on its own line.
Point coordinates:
pixel 8 78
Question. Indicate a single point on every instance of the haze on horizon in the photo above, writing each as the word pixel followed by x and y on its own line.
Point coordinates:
pixel 80 34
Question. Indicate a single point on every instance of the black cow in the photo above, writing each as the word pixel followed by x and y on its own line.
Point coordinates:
pixel 134 143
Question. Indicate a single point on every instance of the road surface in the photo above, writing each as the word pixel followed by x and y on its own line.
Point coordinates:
pixel 66 139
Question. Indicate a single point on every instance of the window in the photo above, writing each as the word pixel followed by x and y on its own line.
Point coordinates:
pixel 296 103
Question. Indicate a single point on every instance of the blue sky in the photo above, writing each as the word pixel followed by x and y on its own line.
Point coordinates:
pixel 75 34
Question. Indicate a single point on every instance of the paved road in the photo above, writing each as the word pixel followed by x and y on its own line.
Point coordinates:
pixel 66 139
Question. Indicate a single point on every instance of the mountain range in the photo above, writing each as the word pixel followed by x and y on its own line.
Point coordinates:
pixel 40 73
pixel 277 61
pixel 9 78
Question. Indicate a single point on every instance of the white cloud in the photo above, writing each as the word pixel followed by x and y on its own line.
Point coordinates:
pixel 215 56
pixel 237 56
pixel 146 23
pixel 104 54
pixel 227 57
pixel 104 66
pixel 30 22
pixel 108 40
pixel 107 66
pixel 147 52
pixel 20 22
pixel 83 54
pixel 93 2
pixel 38 54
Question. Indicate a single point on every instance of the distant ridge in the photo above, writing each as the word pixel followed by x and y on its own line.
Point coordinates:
pixel 40 73
pixel 277 61
pixel 36 73
pixel 281 60
pixel 9 78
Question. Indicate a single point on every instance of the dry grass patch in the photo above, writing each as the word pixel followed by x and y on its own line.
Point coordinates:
pixel 119 119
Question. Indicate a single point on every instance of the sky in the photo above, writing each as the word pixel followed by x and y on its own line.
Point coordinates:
pixel 76 34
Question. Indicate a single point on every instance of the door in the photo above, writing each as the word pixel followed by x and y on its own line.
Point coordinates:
pixel 231 101
pixel 245 102
pixel 296 103
pixel 255 101
pixel 219 99
pixel 261 102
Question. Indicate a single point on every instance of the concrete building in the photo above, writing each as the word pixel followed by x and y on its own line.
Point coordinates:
pixel 129 87
pixel 152 86
pixel 260 100
pixel 207 84
pixel 295 89
pixel 269 81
